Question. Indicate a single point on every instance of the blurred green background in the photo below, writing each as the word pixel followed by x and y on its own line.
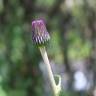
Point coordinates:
pixel 72 27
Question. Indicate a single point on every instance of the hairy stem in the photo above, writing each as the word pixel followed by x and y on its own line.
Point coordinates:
pixel 50 74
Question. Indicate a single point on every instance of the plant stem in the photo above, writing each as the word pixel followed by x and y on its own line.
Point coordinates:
pixel 50 74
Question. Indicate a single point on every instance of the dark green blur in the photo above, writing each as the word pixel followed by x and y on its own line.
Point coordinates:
pixel 72 30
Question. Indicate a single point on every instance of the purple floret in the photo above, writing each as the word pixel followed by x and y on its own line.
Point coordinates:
pixel 39 32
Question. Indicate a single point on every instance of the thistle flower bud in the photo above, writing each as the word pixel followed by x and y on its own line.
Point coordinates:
pixel 40 34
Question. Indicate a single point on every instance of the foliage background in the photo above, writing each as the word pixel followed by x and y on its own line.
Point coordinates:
pixel 72 26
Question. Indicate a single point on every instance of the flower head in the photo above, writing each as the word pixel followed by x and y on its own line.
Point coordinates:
pixel 40 34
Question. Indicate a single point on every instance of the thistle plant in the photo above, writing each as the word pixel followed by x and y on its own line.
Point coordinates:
pixel 40 37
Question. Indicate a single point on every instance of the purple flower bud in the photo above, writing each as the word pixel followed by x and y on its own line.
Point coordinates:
pixel 39 32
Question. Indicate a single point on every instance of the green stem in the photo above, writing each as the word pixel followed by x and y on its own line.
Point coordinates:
pixel 55 88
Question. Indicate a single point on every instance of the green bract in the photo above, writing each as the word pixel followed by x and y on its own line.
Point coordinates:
pixel 40 36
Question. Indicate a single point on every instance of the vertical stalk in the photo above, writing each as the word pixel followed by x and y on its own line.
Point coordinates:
pixel 40 36
pixel 50 74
